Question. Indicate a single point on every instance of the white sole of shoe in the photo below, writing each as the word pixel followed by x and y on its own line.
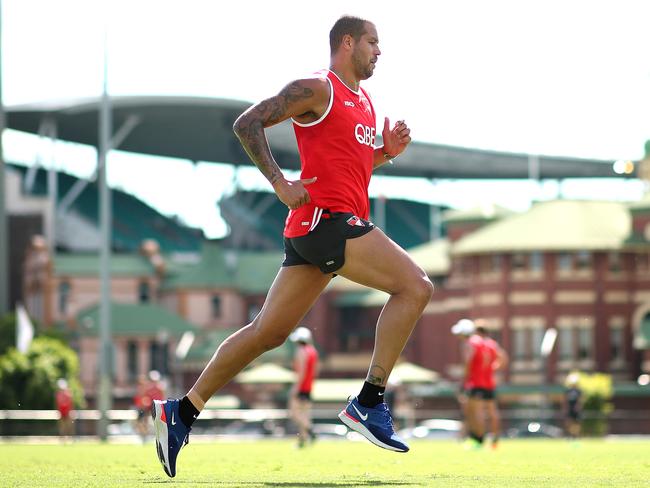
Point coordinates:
pixel 161 434
pixel 361 429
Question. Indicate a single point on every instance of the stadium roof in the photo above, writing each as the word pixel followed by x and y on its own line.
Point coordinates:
pixel 199 129
pixel 133 220
pixel 559 225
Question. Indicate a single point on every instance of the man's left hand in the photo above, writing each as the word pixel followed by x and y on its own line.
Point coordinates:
pixel 395 139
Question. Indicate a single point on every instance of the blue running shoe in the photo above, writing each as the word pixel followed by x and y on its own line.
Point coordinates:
pixel 375 424
pixel 171 433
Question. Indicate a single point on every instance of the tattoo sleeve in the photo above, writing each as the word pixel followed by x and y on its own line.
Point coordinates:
pixel 249 127
pixel 376 375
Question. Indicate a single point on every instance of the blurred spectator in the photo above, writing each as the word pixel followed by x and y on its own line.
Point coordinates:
pixel 495 360
pixel 148 390
pixel 482 356
pixel 573 405
pixel 64 404
pixel 305 363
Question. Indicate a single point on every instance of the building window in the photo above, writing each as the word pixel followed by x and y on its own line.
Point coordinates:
pixel 583 260
pixel 490 264
pixel 536 261
pixel 64 297
pixel 614 262
pixel 159 357
pixel 352 330
pixel 519 344
pixel 216 306
pixel 132 360
pixel 616 344
pixel 564 261
pixel 566 344
pixel 585 343
pixel 144 292
pixel 527 342
pixel 537 335
pixel 519 261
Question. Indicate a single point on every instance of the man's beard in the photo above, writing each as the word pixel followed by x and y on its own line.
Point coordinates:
pixel 364 70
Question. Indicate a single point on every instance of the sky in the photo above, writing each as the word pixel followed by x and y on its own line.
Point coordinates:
pixel 568 78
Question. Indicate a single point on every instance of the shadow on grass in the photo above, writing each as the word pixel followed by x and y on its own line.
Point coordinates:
pixel 287 484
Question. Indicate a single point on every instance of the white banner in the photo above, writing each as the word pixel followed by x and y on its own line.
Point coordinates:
pixel 24 329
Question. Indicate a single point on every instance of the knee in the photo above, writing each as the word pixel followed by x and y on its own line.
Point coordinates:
pixel 422 289
pixel 269 339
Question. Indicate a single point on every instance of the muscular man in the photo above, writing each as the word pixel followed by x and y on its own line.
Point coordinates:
pixel 326 233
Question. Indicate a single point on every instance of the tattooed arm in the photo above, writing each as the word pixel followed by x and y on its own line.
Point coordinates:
pixel 304 100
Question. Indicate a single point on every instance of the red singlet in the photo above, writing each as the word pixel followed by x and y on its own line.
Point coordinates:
pixel 491 355
pixel 481 371
pixel 338 149
pixel 311 359
pixel 64 402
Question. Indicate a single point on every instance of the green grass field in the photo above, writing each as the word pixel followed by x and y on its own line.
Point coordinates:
pixel 330 463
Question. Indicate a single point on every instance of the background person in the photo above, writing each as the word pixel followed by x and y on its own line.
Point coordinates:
pixel 64 405
pixel 149 389
pixel 573 405
pixel 495 359
pixel 142 407
pixel 305 363
pixel 474 356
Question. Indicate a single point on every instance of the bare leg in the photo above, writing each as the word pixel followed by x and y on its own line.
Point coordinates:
pixel 475 417
pixel 292 294
pixel 495 420
pixel 376 261
pixel 300 412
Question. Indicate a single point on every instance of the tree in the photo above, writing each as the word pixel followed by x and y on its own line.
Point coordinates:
pixel 597 391
pixel 29 380
pixel 7 332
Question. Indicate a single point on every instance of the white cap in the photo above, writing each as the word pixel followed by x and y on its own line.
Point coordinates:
pixel 61 383
pixel 301 334
pixel 154 375
pixel 463 327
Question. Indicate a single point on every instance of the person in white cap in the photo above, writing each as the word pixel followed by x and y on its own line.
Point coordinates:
pixel 64 405
pixel 305 363
pixel 473 349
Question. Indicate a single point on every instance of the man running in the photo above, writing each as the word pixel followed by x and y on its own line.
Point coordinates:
pixel 327 232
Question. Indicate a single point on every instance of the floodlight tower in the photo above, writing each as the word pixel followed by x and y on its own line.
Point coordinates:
pixel 105 220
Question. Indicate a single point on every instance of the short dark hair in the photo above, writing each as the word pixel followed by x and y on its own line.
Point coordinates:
pixel 354 26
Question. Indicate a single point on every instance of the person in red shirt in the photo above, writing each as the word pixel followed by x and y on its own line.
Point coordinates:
pixel 327 232
pixel 64 405
pixel 482 356
pixel 305 364
pixel 148 390
pixel 495 359
pixel 473 356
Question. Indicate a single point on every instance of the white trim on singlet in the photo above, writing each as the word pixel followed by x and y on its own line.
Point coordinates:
pixel 316 218
pixel 329 107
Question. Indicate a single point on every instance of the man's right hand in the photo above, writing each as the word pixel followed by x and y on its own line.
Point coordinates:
pixel 293 193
